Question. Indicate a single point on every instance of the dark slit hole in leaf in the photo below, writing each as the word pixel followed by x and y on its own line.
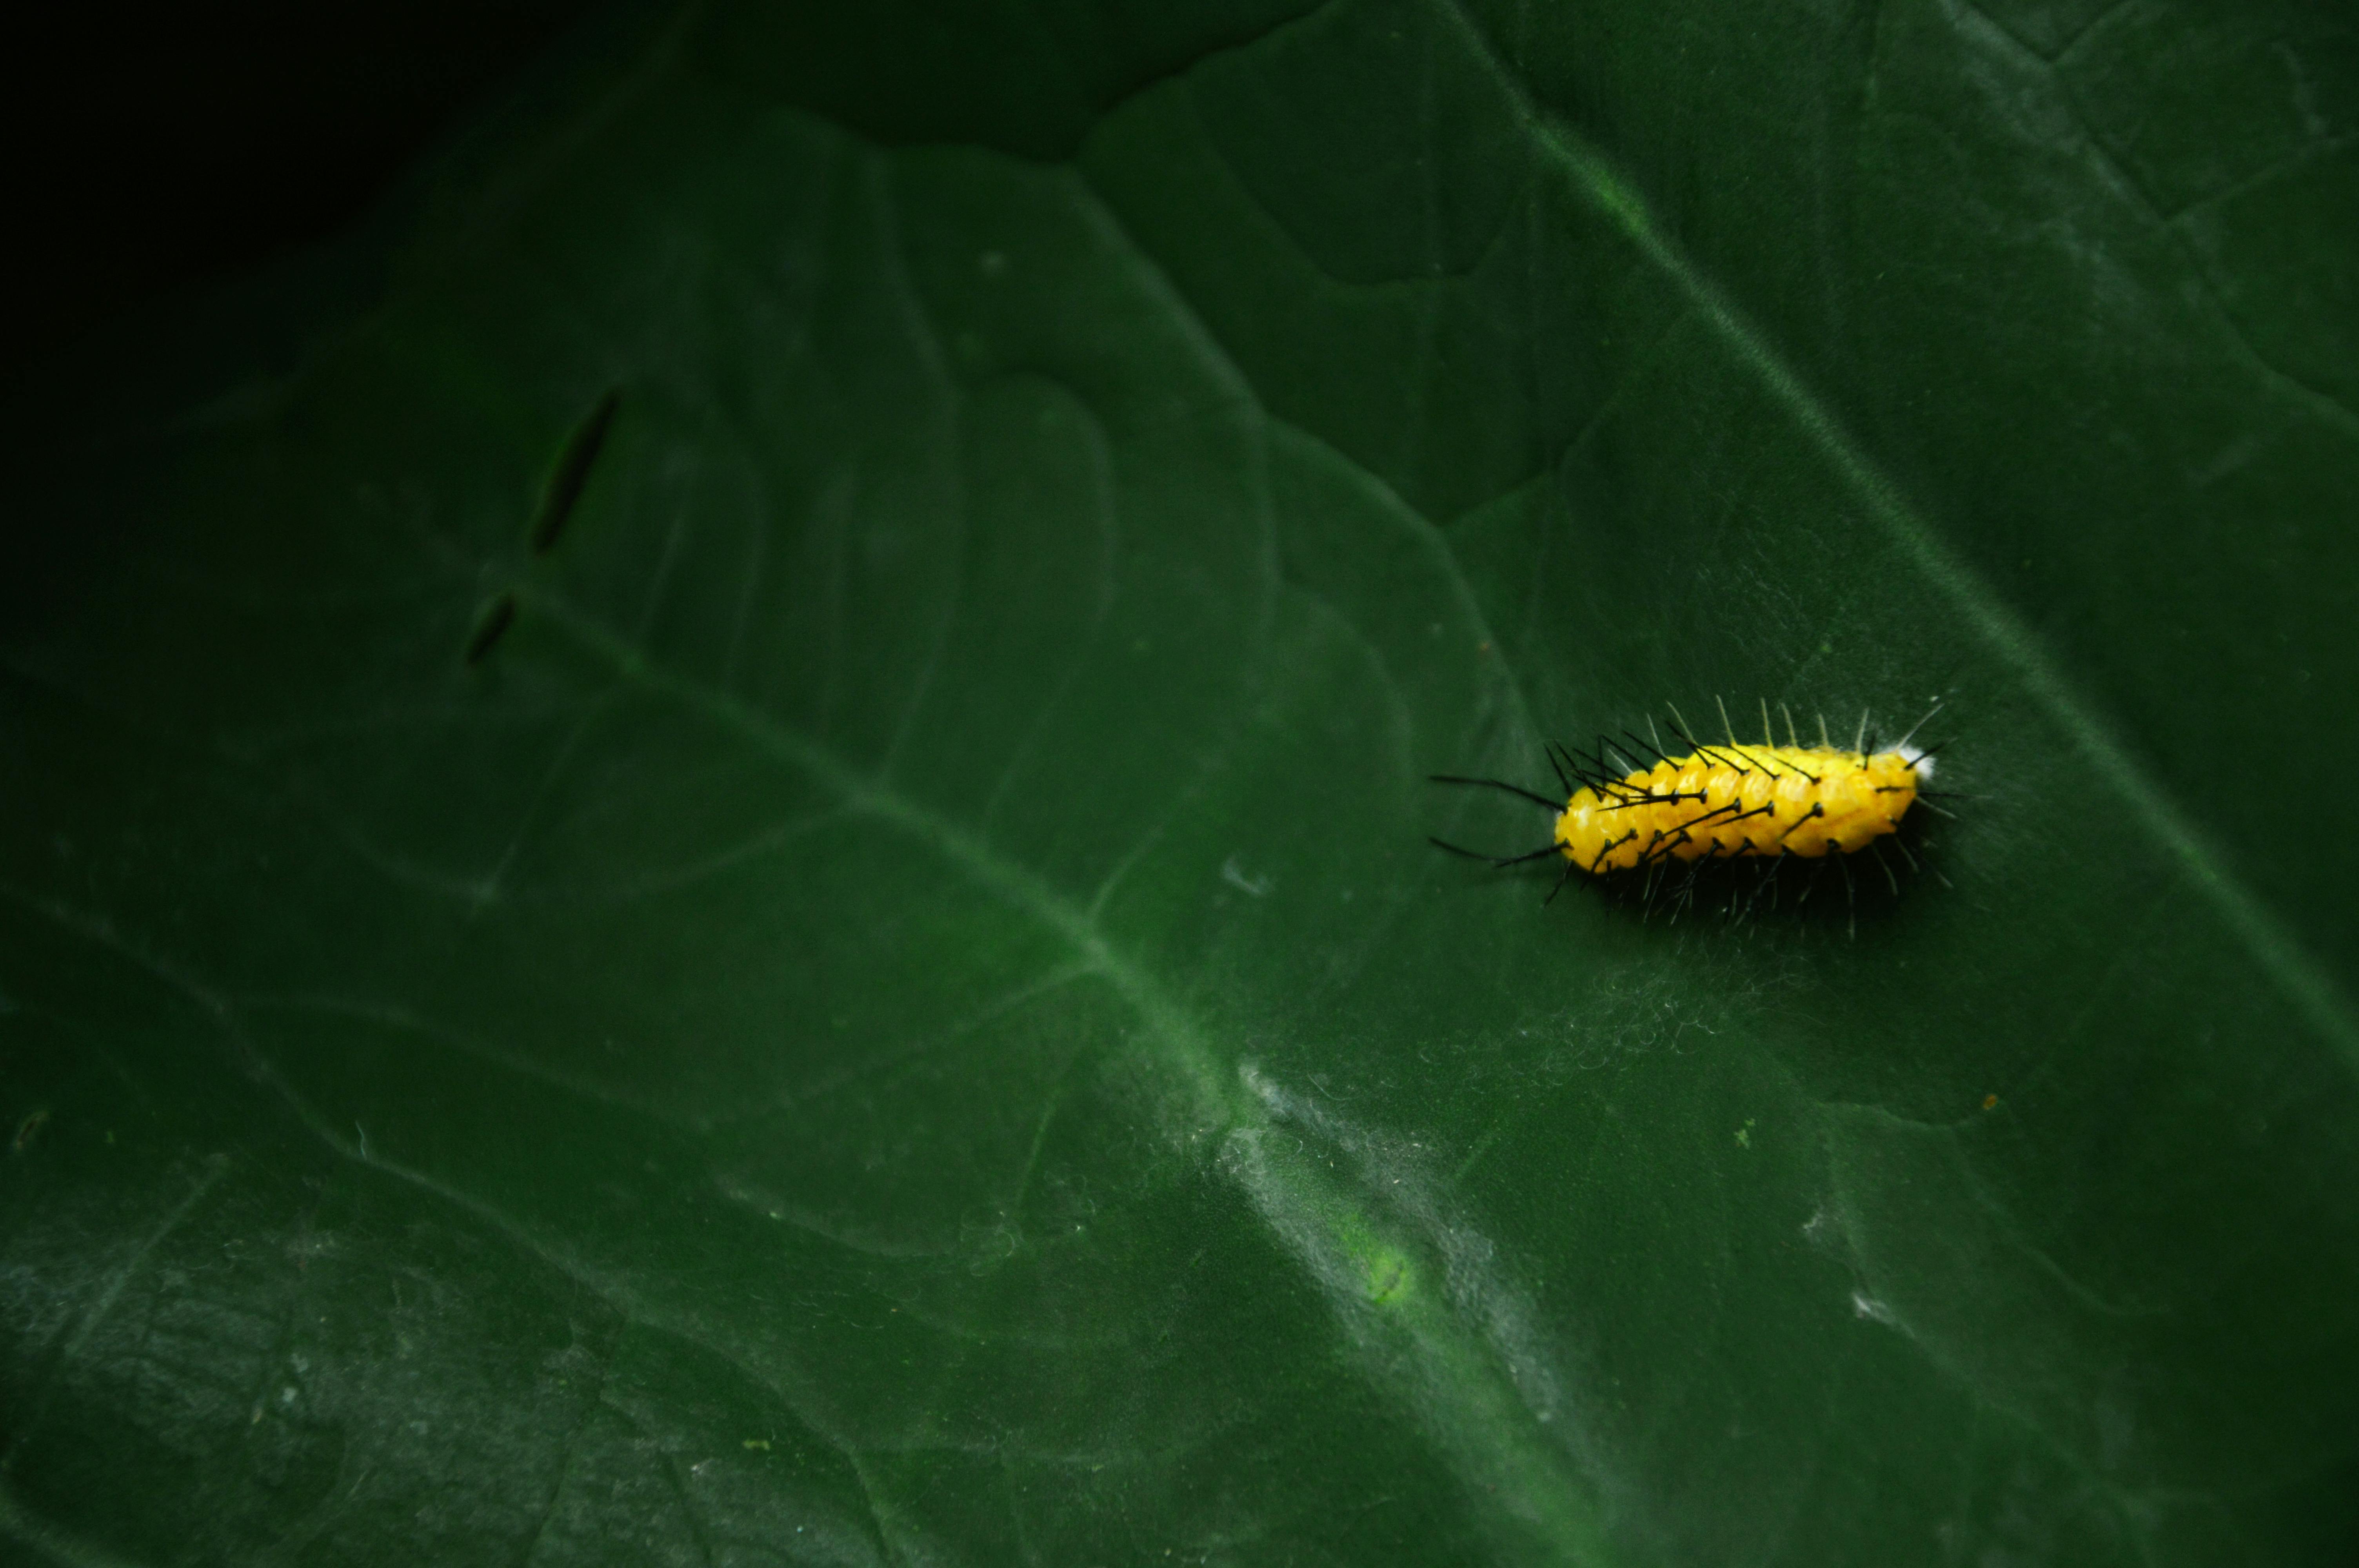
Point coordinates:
pixel 490 627
pixel 572 472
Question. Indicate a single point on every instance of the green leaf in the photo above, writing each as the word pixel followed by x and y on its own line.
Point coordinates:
pixel 733 870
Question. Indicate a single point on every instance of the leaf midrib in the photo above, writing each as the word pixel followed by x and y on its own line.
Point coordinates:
pixel 1309 1211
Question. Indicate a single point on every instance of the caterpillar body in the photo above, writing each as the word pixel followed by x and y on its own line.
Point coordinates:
pixel 1731 802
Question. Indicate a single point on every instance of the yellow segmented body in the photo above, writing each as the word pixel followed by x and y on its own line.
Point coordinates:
pixel 1740 802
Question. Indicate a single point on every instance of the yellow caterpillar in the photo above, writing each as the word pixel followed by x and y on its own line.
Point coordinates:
pixel 1718 802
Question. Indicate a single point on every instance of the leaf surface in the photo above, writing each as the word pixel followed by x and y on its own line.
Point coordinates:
pixel 735 870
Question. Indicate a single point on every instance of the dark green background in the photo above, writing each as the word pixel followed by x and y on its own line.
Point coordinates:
pixel 900 1013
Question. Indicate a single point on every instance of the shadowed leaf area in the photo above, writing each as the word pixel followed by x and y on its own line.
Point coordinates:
pixel 726 862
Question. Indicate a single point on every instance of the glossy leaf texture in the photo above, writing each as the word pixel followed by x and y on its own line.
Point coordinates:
pixel 729 866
